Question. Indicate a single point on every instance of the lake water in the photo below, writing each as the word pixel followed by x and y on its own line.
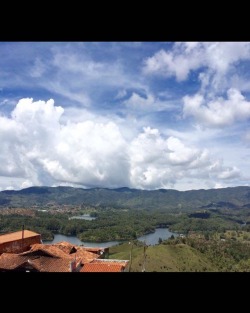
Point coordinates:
pixel 150 239
pixel 82 217
pixel 153 238
pixel 75 241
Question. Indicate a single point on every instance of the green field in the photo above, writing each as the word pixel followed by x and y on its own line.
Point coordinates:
pixel 164 258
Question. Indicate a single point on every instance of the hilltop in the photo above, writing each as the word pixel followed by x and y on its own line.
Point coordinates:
pixel 164 258
pixel 194 253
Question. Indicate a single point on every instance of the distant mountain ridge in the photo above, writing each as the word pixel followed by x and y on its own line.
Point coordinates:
pixel 164 199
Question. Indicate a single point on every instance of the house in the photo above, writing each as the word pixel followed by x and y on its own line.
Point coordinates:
pixel 19 241
pixel 58 257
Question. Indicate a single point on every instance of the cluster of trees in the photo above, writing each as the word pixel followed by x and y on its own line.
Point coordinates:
pixel 226 255
pixel 110 224
pixel 125 224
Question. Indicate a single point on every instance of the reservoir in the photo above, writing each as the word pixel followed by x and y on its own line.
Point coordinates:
pixel 75 241
pixel 153 238
pixel 149 239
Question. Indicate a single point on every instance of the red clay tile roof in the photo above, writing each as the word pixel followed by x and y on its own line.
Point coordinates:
pixel 45 264
pixel 57 258
pixel 103 267
pixel 58 251
pixel 48 250
pixel 65 247
pixel 11 261
pixel 85 256
pixel 80 251
pixel 17 236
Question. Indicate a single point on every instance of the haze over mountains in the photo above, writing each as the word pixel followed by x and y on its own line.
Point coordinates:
pixel 164 199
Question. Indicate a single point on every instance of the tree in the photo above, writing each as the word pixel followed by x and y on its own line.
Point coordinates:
pixel 206 235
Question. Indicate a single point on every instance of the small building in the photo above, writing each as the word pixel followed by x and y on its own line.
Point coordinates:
pixel 60 257
pixel 19 241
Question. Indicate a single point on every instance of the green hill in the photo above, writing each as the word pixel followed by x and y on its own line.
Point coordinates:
pixel 163 199
pixel 164 258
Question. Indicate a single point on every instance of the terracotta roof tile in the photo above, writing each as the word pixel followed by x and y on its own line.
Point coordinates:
pixel 71 251
pixel 102 267
pixel 57 252
pixel 85 256
pixel 49 250
pixel 10 261
pixel 57 258
pixel 45 264
pixel 65 246
pixel 17 236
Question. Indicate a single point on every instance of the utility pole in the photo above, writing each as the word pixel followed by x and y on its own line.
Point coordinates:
pixel 144 257
pixel 22 237
pixel 130 259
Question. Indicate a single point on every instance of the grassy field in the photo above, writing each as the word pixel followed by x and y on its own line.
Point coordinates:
pixel 163 258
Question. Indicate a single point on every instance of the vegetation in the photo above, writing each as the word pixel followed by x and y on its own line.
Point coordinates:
pixel 215 224
pixel 110 224
pixel 119 224
pixel 163 258
pixel 193 253
pixel 162 199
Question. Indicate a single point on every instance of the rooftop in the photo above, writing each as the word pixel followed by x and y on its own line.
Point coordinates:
pixel 58 257
pixel 9 261
pixel 103 267
pixel 47 257
pixel 17 236
pixel 45 264
pixel 48 250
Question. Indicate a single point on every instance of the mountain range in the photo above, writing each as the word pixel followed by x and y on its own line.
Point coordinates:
pixel 163 199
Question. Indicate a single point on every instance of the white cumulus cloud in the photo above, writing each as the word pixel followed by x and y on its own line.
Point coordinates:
pixel 189 56
pixel 39 147
pixel 157 162
pixel 218 112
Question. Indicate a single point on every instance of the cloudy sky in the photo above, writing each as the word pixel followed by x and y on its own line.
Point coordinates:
pixel 144 115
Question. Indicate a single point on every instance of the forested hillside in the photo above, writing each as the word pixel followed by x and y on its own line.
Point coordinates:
pixel 164 199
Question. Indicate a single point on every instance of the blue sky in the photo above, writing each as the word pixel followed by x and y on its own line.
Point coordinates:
pixel 144 115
